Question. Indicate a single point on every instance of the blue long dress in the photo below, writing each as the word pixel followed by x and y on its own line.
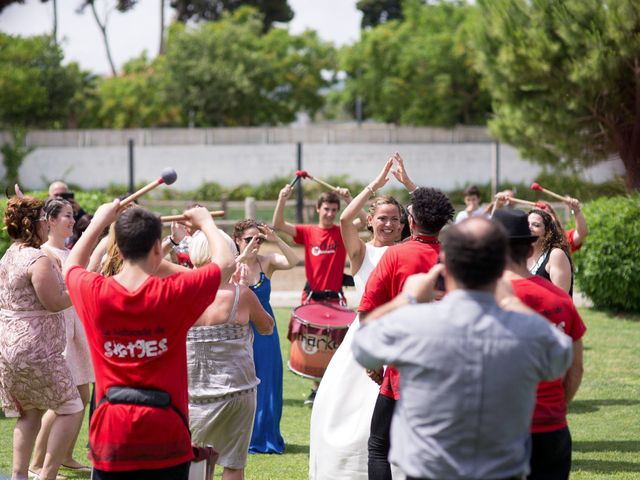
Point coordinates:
pixel 266 437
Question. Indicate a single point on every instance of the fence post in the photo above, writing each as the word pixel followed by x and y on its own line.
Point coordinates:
pixel 495 168
pixel 131 179
pixel 250 208
pixel 299 192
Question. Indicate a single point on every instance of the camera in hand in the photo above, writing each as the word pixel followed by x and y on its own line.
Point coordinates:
pixel 66 195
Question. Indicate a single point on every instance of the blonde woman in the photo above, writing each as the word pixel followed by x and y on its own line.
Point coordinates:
pixel 222 375
pixel 341 416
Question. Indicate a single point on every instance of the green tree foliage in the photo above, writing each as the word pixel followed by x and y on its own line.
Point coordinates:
pixel 417 71
pixel 13 153
pixel 564 77
pixel 608 266
pixel 135 98
pixel 228 73
pixel 208 10
pixel 35 89
pixel 375 12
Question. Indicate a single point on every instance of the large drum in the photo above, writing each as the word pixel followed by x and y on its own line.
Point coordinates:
pixel 316 330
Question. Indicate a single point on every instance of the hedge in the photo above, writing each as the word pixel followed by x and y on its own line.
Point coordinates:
pixel 608 265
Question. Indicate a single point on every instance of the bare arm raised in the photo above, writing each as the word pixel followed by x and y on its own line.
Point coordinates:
pixel 352 242
pixel 279 222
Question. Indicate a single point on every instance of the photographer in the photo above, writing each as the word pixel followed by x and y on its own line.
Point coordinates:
pixel 61 190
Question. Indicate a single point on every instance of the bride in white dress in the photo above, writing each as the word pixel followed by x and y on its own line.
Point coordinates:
pixel 341 415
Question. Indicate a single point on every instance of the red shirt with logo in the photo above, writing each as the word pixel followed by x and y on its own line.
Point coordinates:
pixel 138 339
pixel 324 256
pixel 418 254
pixel 555 305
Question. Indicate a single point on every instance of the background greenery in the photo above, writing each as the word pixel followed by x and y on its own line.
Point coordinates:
pixel 557 80
pixel 608 271
pixel 604 418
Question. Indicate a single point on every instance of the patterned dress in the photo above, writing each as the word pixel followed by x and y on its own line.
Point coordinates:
pixel 77 349
pixel 33 372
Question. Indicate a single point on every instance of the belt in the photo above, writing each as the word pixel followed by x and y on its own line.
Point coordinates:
pixel 226 396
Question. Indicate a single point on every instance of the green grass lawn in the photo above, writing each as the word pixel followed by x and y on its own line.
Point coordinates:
pixel 604 418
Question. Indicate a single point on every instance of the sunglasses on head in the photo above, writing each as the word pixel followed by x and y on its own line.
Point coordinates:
pixel 259 240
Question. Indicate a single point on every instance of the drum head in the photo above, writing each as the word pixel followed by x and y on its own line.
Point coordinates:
pixel 324 315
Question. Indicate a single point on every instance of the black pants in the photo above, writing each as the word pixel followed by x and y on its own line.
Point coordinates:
pixel 379 439
pixel 550 455
pixel 177 472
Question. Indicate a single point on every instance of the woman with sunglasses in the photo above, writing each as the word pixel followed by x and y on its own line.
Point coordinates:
pixel 34 376
pixel 341 416
pixel 255 271
pixel 551 258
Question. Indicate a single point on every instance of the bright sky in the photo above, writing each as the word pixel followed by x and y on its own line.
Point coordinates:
pixel 337 21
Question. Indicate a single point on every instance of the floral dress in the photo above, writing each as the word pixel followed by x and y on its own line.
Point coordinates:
pixel 33 372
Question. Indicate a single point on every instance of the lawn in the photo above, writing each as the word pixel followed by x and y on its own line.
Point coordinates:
pixel 604 418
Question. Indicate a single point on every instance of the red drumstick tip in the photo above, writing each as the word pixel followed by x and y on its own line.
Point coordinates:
pixel 302 173
pixel 536 186
pixel 541 205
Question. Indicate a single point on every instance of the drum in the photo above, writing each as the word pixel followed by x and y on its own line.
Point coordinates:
pixel 316 330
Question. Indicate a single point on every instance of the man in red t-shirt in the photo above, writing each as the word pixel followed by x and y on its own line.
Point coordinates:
pixel 430 210
pixel 324 250
pixel 136 326
pixel 551 439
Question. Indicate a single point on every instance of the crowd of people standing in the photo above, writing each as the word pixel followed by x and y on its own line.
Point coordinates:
pixel 187 350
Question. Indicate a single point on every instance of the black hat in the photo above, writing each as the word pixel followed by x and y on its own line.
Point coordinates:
pixel 516 224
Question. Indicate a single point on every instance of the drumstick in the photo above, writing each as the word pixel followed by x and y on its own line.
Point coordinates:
pixel 524 202
pixel 168 176
pixel 299 174
pixel 182 218
pixel 322 182
pixel 540 188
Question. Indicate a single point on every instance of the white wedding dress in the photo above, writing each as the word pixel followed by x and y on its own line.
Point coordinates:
pixel 342 410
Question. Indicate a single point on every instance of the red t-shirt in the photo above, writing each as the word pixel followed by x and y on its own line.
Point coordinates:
pixel 324 256
pixel 138 339
pixel 416 255
pixel 572 246
pixel 555 305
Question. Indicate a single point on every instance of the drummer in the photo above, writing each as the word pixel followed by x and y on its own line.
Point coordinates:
pixel 324 250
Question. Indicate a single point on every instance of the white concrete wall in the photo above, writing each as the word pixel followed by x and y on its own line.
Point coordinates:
pixel 441 165
pixel 445 158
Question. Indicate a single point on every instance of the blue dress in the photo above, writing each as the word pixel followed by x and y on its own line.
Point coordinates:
pixel 266 437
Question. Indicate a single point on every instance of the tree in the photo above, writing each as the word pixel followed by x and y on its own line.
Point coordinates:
pixel 35 89
pixel 417 71
pixel 565 78
pixel 136 98
pixel 208 10
pixel 121 6
pixel 375 12
pixel 228 73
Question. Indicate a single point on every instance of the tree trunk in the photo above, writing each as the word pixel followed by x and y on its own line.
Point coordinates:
pixel 103 30
pixel 161 49
pixel 55 21
pixel 631 161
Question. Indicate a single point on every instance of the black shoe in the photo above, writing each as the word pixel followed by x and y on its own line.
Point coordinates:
pixel 310 399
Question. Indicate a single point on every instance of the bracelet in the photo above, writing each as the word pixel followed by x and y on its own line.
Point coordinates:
pixel 173 241
pixel 373 192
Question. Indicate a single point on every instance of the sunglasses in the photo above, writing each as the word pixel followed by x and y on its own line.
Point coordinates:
pixel 259 240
